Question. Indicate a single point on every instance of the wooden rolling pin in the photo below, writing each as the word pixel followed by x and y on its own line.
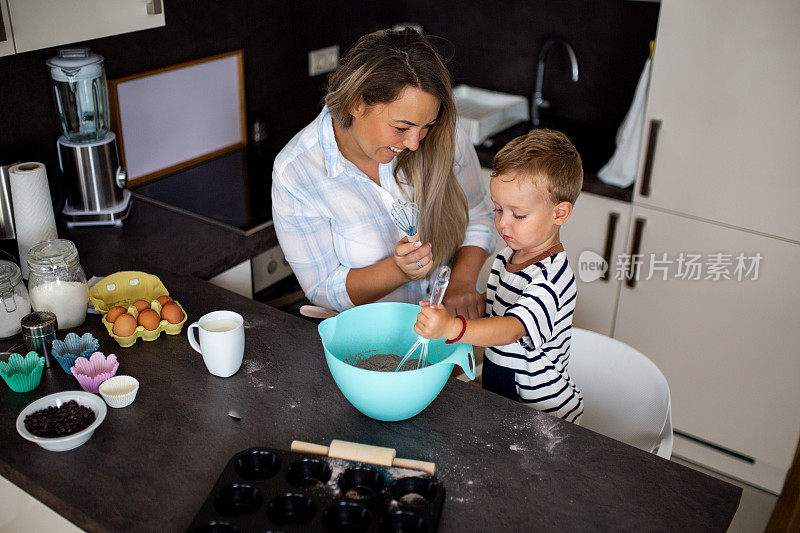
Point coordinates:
pixel 354 451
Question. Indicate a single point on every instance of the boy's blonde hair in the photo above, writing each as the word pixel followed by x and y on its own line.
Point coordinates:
pixel 546 155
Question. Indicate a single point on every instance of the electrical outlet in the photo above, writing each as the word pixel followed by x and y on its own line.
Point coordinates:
pixel 323 60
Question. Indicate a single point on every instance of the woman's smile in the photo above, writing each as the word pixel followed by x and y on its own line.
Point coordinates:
pixel 381 132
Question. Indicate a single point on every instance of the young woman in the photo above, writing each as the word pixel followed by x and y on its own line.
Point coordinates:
pixel 387 133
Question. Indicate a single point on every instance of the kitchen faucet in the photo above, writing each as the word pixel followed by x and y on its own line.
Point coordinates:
pixel 538 101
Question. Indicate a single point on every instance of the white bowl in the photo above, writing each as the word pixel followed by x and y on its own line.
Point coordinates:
pixel 119 391
pixel 62 444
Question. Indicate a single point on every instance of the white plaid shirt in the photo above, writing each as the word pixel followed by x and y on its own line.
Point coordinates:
pixel 330 217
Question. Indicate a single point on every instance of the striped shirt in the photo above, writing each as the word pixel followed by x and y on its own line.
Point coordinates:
pixel 541 294
pixel 330 217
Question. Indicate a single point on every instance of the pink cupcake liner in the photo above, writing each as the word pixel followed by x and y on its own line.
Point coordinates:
pixel 91 372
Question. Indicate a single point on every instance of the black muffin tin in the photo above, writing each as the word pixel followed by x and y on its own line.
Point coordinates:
pixel 263 489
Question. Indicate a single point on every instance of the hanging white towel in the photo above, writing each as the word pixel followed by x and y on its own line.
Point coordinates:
pixel 621 168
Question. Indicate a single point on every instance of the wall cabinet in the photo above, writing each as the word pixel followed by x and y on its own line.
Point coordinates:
pixel 724 88
pixel 717 183
pixel 599 225
pixel 36 24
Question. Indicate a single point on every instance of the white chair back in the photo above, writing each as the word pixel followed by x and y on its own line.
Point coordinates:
pixel 625 395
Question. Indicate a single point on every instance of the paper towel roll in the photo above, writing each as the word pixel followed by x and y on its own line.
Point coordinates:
pixel 33 208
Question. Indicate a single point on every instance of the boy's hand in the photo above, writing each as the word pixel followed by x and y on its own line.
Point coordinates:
pixel 434 322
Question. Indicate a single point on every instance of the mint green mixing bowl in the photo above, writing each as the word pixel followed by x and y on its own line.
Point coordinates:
pixel 388 328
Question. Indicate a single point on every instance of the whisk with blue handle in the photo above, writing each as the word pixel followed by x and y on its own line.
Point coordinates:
pixel 437 293
pixel 406 217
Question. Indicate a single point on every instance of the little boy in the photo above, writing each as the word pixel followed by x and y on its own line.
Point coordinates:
pixel 531 291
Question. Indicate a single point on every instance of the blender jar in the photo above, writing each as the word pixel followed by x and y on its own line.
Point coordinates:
pixel 14 300
pixel 57 282
pixel 79 88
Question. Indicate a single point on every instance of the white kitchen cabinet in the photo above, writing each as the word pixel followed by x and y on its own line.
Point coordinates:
pixel 238 279
pixel 599 225
pixel 44 23
pixel 727 347
pixel 6 35
pixel 718 175
pixel 19 511
pixel 254 274
pixel 724 86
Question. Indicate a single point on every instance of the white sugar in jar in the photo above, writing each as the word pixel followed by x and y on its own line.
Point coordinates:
pixel 57 282
pixel 14 300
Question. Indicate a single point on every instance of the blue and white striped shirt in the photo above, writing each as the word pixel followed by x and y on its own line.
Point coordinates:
pixel 330 217
pixel 541 294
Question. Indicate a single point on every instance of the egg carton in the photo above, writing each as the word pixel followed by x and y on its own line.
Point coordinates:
pixel 122 289
pixel 264 489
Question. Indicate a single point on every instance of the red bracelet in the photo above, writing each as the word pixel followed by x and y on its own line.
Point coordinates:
pixel 463 330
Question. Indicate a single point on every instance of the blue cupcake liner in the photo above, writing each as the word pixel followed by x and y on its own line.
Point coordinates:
pixel 72 347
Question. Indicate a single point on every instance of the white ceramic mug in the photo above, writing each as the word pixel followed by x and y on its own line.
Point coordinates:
pixel 221 341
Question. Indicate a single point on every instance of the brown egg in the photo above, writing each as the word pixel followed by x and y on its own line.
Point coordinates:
pixel 141 305
pixel 149 319
pixel 114 312
pixel 163 300
pixel 124 325
pixel 172 313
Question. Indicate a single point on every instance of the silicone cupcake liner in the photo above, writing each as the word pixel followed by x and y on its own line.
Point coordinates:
pixel 91 372
pixel 119 391
pixel 22 374
pixel 72 347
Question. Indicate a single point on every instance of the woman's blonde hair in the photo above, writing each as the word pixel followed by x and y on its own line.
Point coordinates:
pixel 376 70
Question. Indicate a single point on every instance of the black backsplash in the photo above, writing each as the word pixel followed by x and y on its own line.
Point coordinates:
pixel 496 44
pixel 491 44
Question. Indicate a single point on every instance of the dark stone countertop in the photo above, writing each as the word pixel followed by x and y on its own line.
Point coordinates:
pixel 167 240
pixel 595 143
pixel 150 466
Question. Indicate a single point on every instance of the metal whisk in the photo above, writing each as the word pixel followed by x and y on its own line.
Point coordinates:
pixel 437 293
pixel 406 217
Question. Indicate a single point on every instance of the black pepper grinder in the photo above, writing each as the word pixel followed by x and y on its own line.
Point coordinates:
pixel 39 329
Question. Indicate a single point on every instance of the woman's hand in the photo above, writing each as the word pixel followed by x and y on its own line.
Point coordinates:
pixel 462 299
pixel 413 258
pixel 434 322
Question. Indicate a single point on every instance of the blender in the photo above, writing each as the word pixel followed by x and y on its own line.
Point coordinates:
pixel 87 149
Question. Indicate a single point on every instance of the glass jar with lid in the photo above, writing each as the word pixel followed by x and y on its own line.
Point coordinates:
pixel 57 282
pixel 14 300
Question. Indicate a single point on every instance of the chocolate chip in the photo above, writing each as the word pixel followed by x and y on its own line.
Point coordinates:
pixel 59 421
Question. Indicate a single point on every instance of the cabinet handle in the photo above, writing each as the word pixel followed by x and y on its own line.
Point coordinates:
pixel 635 247
pixel 655 125
pixel 613 217
pixel 154 7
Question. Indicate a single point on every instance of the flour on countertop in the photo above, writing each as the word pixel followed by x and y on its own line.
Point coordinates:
pixel 251 365
pixel 257 383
